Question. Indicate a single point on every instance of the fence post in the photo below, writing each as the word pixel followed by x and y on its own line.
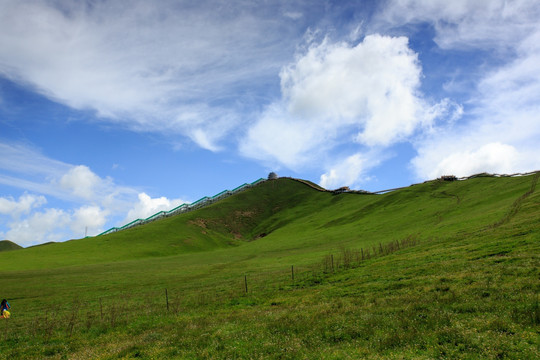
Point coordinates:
pixel 245 283
pixel 292 273
pixel 167 298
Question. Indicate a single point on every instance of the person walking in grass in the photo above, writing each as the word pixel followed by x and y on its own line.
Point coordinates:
pixel 4 313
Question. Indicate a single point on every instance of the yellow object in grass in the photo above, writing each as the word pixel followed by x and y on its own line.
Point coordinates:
pixel 6 314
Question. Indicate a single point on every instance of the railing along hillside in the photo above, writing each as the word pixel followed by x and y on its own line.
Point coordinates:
pixel 204 201
pixel 207 200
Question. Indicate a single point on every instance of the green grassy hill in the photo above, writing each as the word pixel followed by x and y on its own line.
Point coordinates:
pixel 436 270
pixel 6 245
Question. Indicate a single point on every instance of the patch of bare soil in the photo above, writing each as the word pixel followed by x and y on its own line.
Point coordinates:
pixel 199 222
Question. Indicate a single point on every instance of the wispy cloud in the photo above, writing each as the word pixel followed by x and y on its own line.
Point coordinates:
pixel 152 67
pixel 467 24
pixel 24 159
pixel 27 168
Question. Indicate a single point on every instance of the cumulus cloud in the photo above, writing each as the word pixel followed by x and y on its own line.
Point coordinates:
pixel 372 85
pixel 348 172
pixel 25 204
pixel 52 224
pixel 279 137
pixel 491 157
pixel 338 93
pixel 38 228
pixel 89 218
pixel 81 181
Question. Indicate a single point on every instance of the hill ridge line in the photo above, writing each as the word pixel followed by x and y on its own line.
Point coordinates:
pixel 442 178
pixel 206 200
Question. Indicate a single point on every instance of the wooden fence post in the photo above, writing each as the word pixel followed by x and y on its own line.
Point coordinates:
pixel 167 298
pixel 245 283
pixel 292 273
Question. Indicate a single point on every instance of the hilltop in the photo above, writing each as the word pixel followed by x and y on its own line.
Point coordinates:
pixel 6 245
pixel 442 269
pixel 290 213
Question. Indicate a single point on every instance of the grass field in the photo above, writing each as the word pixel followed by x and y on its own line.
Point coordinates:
pixel 440 270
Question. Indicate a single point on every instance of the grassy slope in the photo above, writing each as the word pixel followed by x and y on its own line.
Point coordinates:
pixel 470 287
pixel 6 245
pixel 295 216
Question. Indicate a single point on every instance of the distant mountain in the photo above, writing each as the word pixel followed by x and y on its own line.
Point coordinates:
pixel 6 245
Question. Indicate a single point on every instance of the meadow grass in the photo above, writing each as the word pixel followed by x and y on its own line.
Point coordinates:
pixel 437 270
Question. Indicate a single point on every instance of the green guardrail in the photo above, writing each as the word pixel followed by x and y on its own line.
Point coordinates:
pixel 129 224
pixel 258 181
pixel 198 201
pixel 108 231
pixel 239 187
pixel 177 208
pixel 219 194
pixel 185 206
pixel 155 215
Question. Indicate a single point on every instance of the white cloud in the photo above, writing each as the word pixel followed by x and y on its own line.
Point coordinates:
pixel 147 206
pixel 52 224
pixel 39 228
pixel 372 85
pixel 145 64
pixel 81 181
pixel 349 172
pixel 294 15
pixel 35 226
pixel 491 158
pixel 341 93
pixel 484 24
pixel 88 220
pixel 24 159
pixel 279 137
pixel 90 201
pixel 27 168
pixel 25 204
pixel 500 132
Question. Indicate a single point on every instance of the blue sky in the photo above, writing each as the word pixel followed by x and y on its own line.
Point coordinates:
pixel 115 110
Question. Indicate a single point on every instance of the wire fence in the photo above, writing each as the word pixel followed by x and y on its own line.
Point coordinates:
pixel 253 287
